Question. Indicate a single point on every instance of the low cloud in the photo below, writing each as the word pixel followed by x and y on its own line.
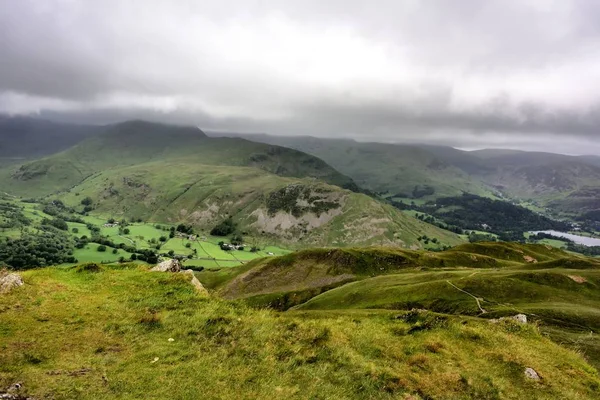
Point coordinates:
pixel 458 73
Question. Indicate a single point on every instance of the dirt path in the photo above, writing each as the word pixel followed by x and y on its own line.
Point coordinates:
pixel 464 291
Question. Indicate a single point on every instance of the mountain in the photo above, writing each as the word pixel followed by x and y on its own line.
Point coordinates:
pixel 26 138
pixel 397 169
pixel 566 184
pixel 177 174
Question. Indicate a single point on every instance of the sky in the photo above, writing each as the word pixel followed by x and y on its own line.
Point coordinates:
pixel 467 73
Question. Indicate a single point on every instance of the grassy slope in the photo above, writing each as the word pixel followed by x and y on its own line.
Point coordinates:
pixel 204 195
pixel 559 290
pixel 176 174
pixel 84 335
pixel 292 279
pixel 385 167
pixel 137 142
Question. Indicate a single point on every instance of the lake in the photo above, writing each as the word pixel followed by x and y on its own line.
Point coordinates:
pixel 584 240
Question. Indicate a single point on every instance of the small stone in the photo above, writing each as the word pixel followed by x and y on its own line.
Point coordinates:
pixel 171 339
pixel 531 374
pixel 155 360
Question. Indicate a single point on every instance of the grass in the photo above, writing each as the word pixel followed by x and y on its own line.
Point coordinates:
pixel 553 287
pixel 72 333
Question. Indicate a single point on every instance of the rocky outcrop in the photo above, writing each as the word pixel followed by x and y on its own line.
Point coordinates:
pixel 168 266
pixel 9 282
pixel 175 266
pixel 520 318
pixel 195 282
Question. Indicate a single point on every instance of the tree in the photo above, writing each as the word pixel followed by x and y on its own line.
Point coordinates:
pixel 87 201
pixel 75 230
pixel 163 239
pixel 50 246
pixel 237 239
pixel 188 245
pixel 171 253
pixel 126 231
pixel 101 248
pixel 58 223
pixel 224 228
pixel 115 251
pixel 133 257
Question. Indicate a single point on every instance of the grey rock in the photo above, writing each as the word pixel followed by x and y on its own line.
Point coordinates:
pixel 9 282
pixel 195 282
pixel 520 318
pixel 168 266
pixel 531 374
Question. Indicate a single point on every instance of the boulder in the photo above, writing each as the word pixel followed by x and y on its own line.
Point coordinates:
pixel 10 281
pixel 195 282
pixel 531 374
pixel 168 266
pixel 520 318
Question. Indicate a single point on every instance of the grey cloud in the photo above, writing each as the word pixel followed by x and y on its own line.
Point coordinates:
pixel 458 72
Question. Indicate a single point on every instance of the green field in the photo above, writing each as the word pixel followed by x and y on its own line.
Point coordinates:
pixel 143 235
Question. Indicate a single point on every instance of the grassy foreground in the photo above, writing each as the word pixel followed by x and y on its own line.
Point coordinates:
pixel 78 334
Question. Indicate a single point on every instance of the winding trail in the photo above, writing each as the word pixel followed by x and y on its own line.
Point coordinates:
pixel 464 291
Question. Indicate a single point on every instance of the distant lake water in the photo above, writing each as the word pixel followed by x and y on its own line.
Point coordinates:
pixel 584 240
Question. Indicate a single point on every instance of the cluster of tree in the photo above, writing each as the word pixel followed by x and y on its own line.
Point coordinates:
pixel 224 228
pixel 13 217
pixel 503 218
pixel 475 237
pixel 58 223
pixel 591 251
pixel 433 221
pixel 187 229
pixel 422 191
pixel 425 239
pixel 50 246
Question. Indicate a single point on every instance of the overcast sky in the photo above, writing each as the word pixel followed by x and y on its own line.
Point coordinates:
pixel 468 73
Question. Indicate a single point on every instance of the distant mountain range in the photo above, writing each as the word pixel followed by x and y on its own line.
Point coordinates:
pixel 566 184
pixel 167 173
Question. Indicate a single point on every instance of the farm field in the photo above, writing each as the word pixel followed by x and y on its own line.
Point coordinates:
pixel 203 252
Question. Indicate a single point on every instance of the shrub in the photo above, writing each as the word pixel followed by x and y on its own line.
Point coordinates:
pixel 101 248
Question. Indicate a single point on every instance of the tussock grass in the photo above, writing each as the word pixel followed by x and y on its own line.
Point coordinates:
pixel 105 335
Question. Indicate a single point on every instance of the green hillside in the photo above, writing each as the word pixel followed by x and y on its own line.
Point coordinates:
pixel 295 212
pixel 135 142
pixel 565 184
pixel 123 332
pixel 403 170
pixel 555 289
pixel 174 174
